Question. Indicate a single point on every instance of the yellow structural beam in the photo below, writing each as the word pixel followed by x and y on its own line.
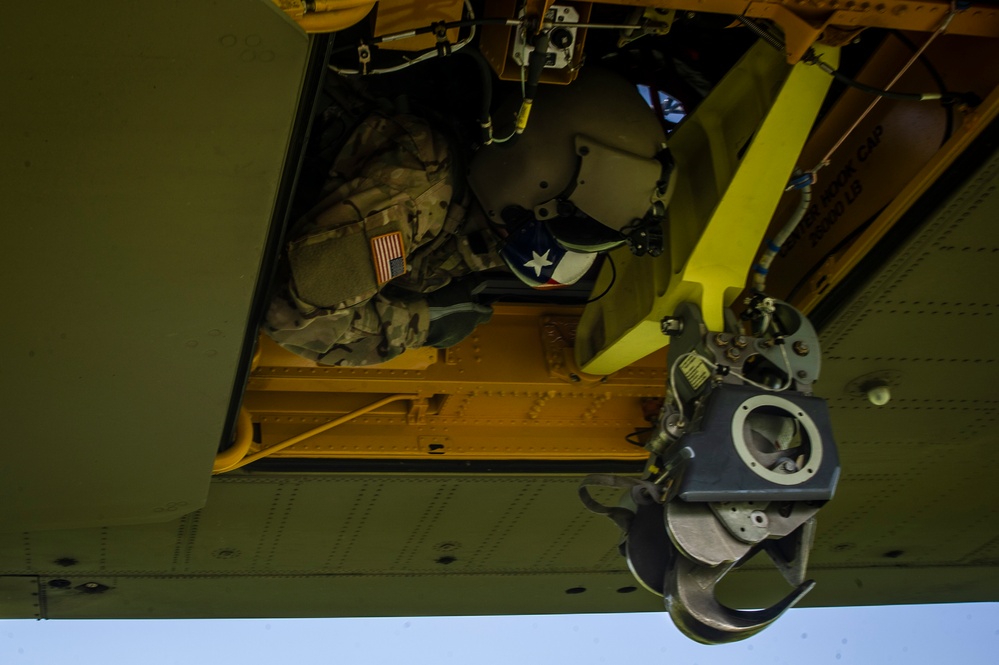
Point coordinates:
pixel 837 22
pixel 325 15
pixel 510 391
pixel 734 156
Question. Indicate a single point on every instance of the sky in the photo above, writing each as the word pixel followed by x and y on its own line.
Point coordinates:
pixel 957 634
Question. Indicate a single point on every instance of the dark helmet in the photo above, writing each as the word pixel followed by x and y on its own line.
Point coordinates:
pixel 591 166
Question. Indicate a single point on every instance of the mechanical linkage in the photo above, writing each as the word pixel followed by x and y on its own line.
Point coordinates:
pixel 741 459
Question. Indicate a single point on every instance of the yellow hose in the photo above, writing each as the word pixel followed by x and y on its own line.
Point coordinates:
pixel 239 448
pixel 347 417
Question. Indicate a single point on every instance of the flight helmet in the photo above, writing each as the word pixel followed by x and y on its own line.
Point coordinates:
pixel 591 169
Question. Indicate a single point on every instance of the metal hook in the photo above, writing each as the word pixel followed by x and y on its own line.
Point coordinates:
pixel 690 600
pixel 647 548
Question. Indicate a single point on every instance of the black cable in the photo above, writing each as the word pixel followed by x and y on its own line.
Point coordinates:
pixel 536 65
pixel 935 75
pixel 612 279
pixel 812 58
pixel 486 102
pixel 631 438
pixel 855 233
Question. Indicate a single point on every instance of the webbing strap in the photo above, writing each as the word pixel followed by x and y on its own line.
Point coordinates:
pixel 642 492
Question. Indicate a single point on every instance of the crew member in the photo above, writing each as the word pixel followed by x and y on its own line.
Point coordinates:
pixel 382 263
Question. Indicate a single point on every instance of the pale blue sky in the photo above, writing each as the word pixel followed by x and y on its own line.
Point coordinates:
pixel 938 634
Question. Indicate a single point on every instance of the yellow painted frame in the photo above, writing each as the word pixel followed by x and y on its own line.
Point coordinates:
pixel 734 156
pixel 510 391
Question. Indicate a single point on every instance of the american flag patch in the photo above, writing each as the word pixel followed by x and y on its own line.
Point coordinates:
pixel 389 256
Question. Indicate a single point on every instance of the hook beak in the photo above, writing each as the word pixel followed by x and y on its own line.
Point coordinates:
pixel 691 602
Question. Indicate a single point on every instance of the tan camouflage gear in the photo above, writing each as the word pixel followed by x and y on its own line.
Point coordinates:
pixel 393 175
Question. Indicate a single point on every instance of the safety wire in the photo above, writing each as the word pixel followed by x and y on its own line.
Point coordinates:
pixel 803 181
pixel 471 23
pixel 711 365
pixel 529 72
pixel 944 24
pixel 523 95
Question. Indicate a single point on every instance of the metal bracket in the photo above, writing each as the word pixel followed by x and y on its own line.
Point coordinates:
pixel 363 57
pixel 443 43
pixel 417 413
pixel 558 337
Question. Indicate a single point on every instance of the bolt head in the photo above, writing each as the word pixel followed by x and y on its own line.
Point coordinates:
pixel 759 518
pixel 671 326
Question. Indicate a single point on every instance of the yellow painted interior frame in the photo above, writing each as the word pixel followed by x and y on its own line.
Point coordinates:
pixel 325 15
pixel 734 156
pixel 510 391
pixel 236 456
pixel 837 23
